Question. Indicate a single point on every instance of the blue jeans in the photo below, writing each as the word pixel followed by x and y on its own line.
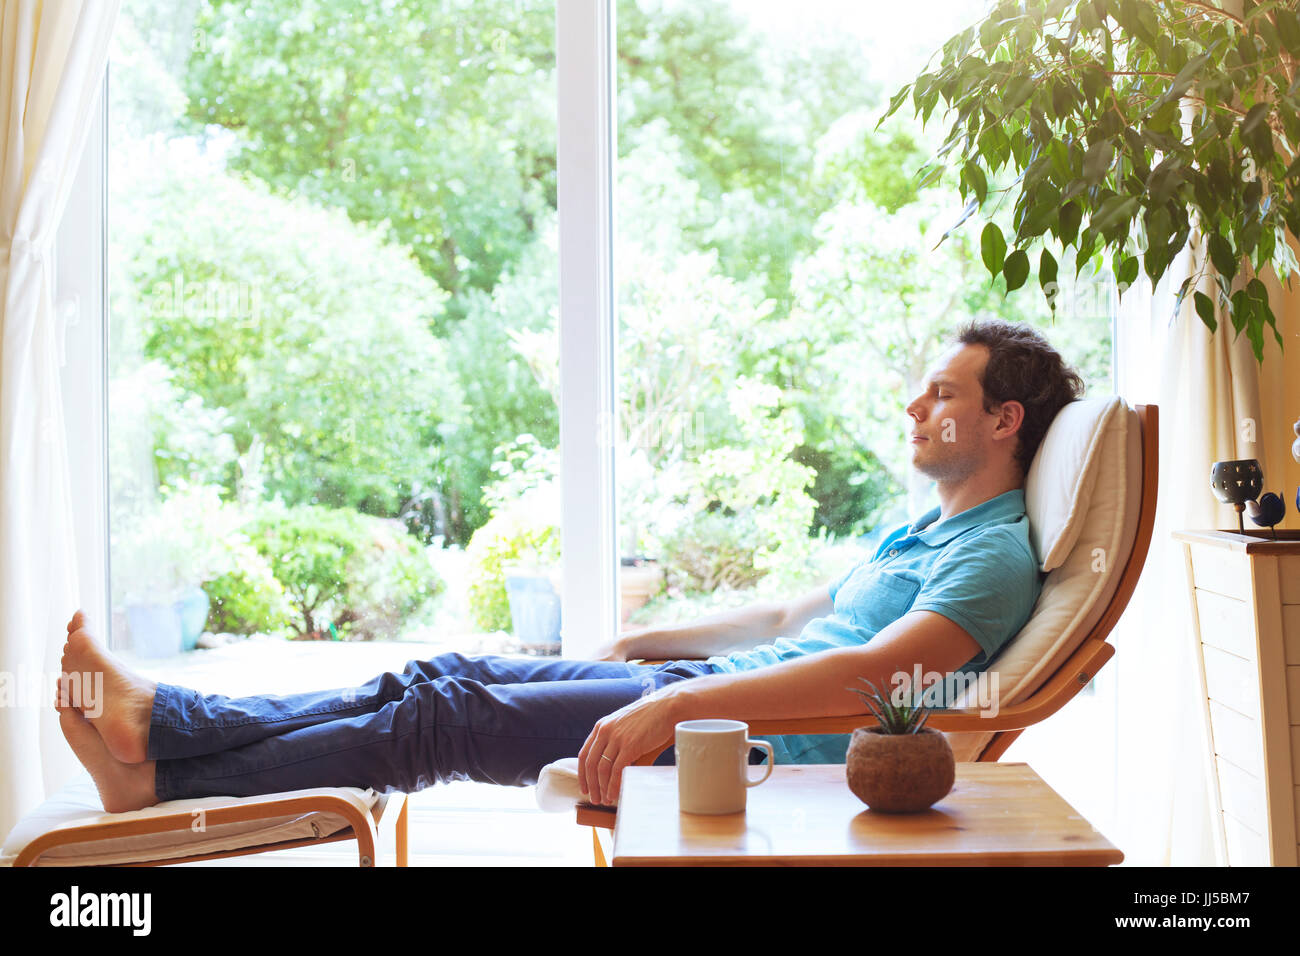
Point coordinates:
pixel 491 719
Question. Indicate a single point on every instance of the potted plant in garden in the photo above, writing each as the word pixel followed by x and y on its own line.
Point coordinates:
pixel 899 766
pixel 1128 129
pixel 159 566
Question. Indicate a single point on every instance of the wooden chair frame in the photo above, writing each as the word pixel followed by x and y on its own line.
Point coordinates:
pixel 381 834
pixel 1071 677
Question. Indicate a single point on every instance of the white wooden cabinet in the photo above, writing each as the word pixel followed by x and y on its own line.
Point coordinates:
pixel 1245 599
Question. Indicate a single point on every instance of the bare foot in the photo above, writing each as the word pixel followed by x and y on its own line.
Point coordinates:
pixel 118 705
pixel 121 786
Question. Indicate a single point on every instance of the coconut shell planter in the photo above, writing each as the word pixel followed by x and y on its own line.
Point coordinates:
pixel 900 773
pixel 901 766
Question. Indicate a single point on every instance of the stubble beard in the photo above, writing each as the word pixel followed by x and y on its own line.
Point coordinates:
pixel 953 468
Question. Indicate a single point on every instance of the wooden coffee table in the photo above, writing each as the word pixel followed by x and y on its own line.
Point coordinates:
pixel 998 814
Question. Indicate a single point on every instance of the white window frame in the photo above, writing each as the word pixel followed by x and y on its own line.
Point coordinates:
pixel 584 49
pixel 81 308
pixel 585 160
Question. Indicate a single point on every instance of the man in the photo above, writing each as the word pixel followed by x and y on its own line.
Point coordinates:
pixel 944 593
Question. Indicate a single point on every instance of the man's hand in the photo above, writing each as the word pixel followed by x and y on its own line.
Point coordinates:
pixel 619 739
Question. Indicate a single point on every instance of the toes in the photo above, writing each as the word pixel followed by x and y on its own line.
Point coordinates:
pixel 78 621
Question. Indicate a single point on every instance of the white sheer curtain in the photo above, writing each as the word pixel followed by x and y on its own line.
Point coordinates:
pixel 52 60
pixel 1211 408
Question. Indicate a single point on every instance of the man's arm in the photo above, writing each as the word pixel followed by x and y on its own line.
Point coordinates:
pixel 813 686
pixel 721 633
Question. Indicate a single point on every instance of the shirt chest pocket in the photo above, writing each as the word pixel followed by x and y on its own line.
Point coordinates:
pixel 880 599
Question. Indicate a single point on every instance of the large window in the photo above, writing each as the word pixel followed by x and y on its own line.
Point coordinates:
pixel 782 291
pixel 335 388
pixel 332 228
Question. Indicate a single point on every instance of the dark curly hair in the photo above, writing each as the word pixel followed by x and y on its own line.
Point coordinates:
pixel 1023 367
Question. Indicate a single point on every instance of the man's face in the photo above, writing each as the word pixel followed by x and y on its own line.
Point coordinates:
pixel 951 434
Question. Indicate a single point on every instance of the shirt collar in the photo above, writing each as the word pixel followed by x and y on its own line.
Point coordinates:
pixel 1006 506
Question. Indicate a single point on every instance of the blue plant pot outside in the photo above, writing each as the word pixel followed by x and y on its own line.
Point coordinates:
pixel 534 612
pixel 155 629
pixel 193 610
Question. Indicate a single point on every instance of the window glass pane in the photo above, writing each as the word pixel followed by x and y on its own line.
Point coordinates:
pixel 782 291
pixel 333 320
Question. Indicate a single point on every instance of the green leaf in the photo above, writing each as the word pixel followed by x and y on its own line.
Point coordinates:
pixel 1221 254
pixel 990 35
pixel 1137 152
pixel 1255 131
pixel 993 248
pixel 1126 271
pixel 1114 212
pixel 1037 219
pixel 966 214
pixel 1047 272
pixel 1246 49
pixel 1076 188
pixel 1097 161
pixel 1087 242
pixel 1063 97
pixel 1255 333
pixel 1205 309
pixel 930 174
pixel 1070 217
pixel 1166 178
pixel 1267 245
pixel 1130 16
pixel 995 146
pixel 895 103
pixel 1261 8
pixel 1016 270
pixel 1059 154
pixel 1184 79
pixel 1017 92
pixel 1183 288
pixel 1240 306
pixel 974 177
pixel 1288 28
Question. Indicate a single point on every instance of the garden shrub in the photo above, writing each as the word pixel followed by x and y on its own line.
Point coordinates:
pixel 713 550
pixel 363 575
pixel 248 599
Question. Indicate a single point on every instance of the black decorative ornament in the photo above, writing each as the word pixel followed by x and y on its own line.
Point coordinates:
pixel 1267 512
pixel 1236 482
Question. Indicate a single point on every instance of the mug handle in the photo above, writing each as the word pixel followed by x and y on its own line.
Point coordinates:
pixel 771 759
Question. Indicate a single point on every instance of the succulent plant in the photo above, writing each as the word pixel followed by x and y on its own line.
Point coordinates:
pixel 894 718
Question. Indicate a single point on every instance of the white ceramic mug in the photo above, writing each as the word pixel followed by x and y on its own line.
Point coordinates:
pixel 713 765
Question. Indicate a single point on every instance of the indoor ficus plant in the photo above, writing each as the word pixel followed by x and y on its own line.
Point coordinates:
pixel 900 765
pixel 1122 126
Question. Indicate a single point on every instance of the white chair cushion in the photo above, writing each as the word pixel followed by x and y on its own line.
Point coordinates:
pixel 1076 592
pixel 78 804
pixel 557 787
pixel 1059 485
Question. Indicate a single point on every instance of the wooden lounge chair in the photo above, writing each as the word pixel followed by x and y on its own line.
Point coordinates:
pixel 72 829
pixel 1091 499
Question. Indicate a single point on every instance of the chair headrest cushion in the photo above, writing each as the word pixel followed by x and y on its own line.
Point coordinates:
pixel 1062 476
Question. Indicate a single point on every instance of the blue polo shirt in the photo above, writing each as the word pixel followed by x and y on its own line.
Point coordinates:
pixel 977 568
